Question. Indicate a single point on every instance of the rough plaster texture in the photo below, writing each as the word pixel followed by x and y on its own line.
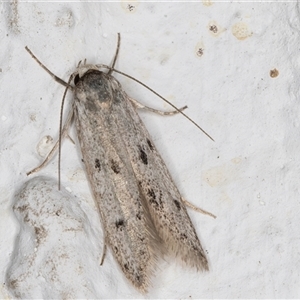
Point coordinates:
pixel 236 66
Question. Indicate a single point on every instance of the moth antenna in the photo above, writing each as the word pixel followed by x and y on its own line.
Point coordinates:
pixel 56 78
pixel 158 95
pixel 60 128
pixel 116 55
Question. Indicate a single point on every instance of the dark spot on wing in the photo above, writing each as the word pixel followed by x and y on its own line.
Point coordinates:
pixel 126 266
pixel 183 236
pixel 195 248
pixel 177 203
pixel 150 144
pixel 120 224
pixel 138 215
pixel 115 166
pixel 143 156
pixel 97 164
pixel 152 196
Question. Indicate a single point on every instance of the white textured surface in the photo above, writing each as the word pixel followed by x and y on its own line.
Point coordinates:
pixel 249 177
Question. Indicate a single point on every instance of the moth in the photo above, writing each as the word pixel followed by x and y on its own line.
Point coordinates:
pixel 143 214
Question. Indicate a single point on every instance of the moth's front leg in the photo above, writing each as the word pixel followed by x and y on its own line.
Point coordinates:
pixel 139 105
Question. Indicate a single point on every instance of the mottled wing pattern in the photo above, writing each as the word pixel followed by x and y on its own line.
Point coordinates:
pixel 128 228
pixel 163 199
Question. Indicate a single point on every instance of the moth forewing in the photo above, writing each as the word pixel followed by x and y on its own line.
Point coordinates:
pixel 130 232
pixel 163 199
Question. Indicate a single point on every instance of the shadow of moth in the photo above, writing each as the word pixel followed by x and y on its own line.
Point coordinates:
pixel 141 209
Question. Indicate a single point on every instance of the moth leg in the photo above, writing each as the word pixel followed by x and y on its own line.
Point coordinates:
pixel 53 150
pixel 200 210
pixel 72 141
pixel 164 113
pixel 103 254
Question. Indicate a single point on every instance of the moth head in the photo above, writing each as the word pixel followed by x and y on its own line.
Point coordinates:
pixel 93 88
pixel 82 70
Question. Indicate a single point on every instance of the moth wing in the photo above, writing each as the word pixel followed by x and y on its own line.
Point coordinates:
pixel 164 202
pixel 129 230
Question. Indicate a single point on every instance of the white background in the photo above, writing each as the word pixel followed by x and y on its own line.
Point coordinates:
pixel 249 177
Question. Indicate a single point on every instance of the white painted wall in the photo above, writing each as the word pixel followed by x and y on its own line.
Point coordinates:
pixel 248 177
